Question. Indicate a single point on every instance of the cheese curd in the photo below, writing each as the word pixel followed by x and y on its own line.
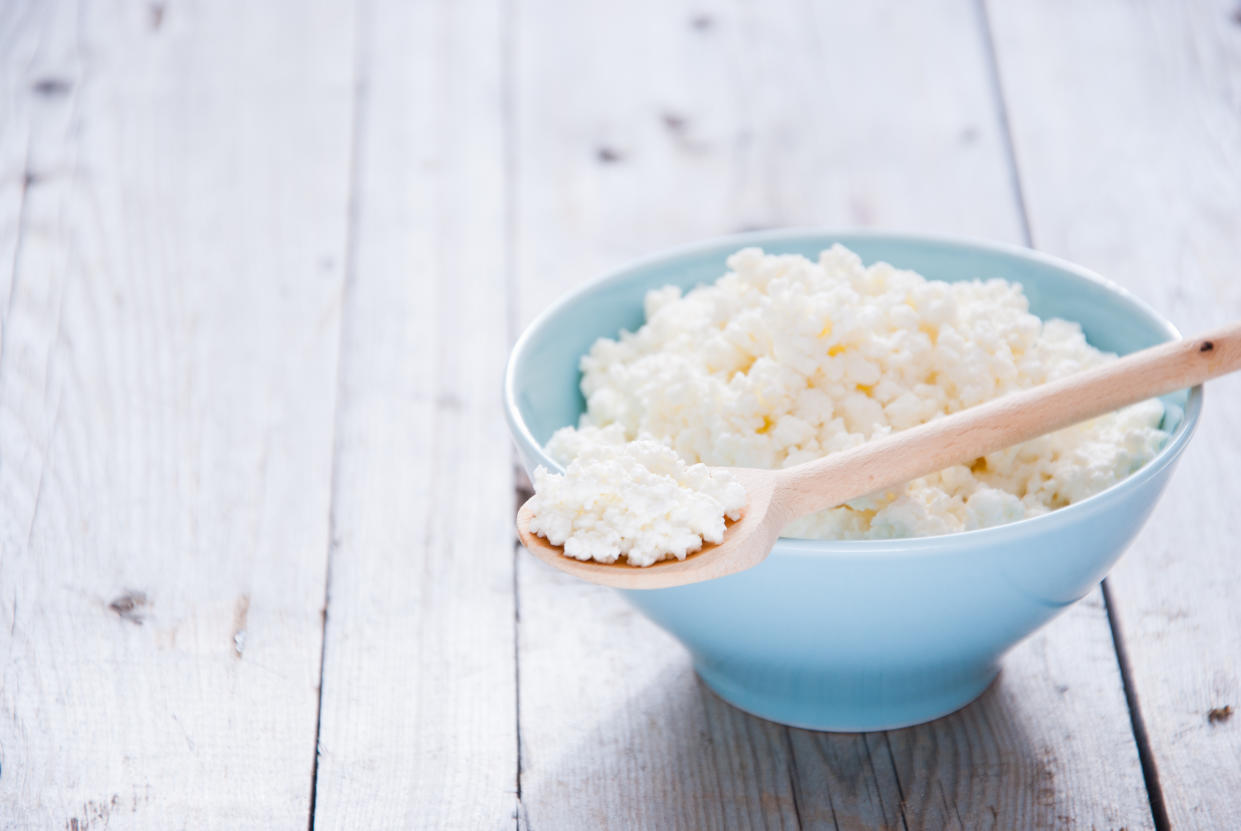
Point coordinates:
pixel 784 359
pixel 634 499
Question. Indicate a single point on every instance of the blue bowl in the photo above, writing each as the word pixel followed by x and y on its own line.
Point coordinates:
pixel 867 634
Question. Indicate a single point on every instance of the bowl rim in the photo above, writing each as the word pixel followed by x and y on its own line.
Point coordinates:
pixel 899 546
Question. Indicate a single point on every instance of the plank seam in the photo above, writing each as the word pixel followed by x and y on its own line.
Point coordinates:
pixel 1001 108
pixel 896 777
pixel 1150 772
pixel 794 778
pixel 347 282
pixel 874 777
pixel 508 123
pixel 509 163
pixel 517 813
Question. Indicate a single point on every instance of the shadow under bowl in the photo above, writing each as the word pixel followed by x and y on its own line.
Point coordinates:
pixel 867 634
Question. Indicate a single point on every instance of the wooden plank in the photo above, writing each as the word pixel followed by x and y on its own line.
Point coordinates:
pixel 616 731
pixel 1127 129
pixel 686 120
pixel 17 50
pixel 681 121
pixel 167 385
pixel 1043 748
pixel 419 693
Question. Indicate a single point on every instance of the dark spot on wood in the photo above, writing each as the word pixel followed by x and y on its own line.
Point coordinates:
pixel 1062 688
pixel 674 122
pixel 747 227
pixel 30 179
pixel 1207 346
pixel 1236 15
pixel 1219 715
pixel 450 402
pixel 129 606
pixel 701 22
pixel 970 135
pixel 156 15
pixel 608 155
pixel 861 210
pixel 677 126
pixel 93 814
pixel 51 87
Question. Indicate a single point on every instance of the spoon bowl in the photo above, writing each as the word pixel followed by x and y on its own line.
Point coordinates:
pixel 747 541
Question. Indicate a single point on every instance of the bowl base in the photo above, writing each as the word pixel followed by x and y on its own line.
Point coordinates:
pixel 846 707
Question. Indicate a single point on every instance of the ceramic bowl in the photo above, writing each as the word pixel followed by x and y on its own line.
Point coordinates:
pixel 867 634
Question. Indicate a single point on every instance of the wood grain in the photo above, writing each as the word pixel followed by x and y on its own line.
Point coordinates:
pixel 419 723
pixel 180 446
pixel 17 47
pixel 617 732
pixel 682 121
pixel 167 385
pixel 1028 754
pixel 1126 127
pixel 686 120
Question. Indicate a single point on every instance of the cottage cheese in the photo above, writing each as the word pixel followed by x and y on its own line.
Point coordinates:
pixel 638 499
pixel 784 359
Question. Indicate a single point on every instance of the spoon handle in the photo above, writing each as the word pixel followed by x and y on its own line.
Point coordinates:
pixel 964 436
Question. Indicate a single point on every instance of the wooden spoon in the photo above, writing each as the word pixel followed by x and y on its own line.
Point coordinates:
pixel 774 497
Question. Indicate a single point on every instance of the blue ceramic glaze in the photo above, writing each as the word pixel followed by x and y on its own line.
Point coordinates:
pixel 867 634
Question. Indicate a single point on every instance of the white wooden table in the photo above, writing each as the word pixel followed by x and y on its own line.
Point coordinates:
pixel 260 266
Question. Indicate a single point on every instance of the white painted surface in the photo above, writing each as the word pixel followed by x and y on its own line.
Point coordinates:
pixel 1127 134
pixel 419 723
pixel 167 388
pixel 181 448
pixel 786 116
